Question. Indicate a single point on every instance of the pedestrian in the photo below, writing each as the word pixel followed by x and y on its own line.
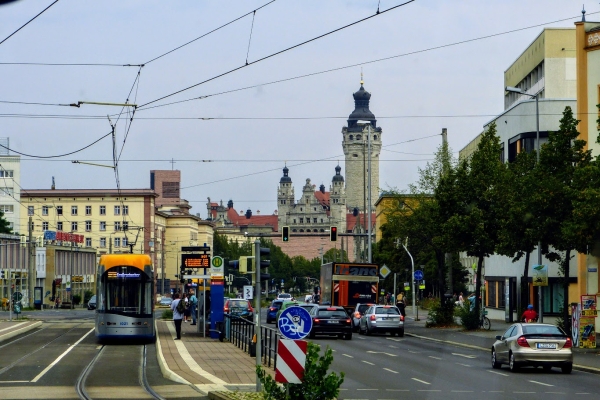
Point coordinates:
pixel 388 299
pixel 177 315
pixel 529 315
pixel 471 299
pixel 461 300
pixel 401 303
pixel 186 308
pixel 193 306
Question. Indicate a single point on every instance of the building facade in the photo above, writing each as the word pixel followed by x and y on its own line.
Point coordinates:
pixel 10 186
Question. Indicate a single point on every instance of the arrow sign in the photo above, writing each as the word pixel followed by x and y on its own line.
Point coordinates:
pixel 418 275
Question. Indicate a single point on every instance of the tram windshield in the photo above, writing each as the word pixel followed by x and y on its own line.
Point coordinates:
pixel 125 290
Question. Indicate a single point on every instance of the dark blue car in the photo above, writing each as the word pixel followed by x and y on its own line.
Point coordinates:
pixel 272 311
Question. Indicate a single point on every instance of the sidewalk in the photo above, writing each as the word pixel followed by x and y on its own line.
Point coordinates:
pixel 207 364
pixel 584 359
pixel 9 329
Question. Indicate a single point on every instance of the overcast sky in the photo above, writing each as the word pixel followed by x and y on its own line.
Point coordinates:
pixel 414 96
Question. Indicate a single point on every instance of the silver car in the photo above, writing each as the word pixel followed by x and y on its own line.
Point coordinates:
pixel 382 319
pixel 534 345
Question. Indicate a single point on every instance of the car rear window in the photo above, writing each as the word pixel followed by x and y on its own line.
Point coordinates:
pixel 386 310
pixel 333 314
pixel 276 304
pixel 541 330
pixel 285 296
pixel 238 303
pixel 362 308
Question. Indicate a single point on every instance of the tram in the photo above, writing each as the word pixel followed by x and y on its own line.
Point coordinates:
pixel 125 306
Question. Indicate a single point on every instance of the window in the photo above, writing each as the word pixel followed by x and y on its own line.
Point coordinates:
pixel 88 242
pixel 124 241
pixel 294 220
pixel 321 220
pixel 117 210
pixel 44 226
pixel 6 173
pixel 88 210
pixel 88 226
pixel 102 225
pixel 73 226
pixel 44 210
pixel 102 242
pixel 126 226
pixel 73 210
pixel 117 226
pixel 59 210
pixel 125 210
pixel 314 220
pixel 102 210
pixel 30 210
pixel 314 208
pixel 117 242
pixel 7 208
pixel 301 220
pixel 59 226
pixel 7 191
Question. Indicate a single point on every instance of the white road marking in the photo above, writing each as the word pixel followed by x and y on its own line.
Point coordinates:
pixel 367 389
pixel 463 355
pixel 462 391
pixel 418 380
pixel 499 373
pixel 361 338
pixel 347 355
pixel 393 347
pixel 395 340
pixel 382 352
pixel 98 347
pixel 581 393
pixel 525 392
pixel 436 358
pixel 556 392
pixel 541 383
pixel 391 370
pixel 413 352
pixel 429 390
pixel 366 362
pixel 397 390
pixel 464 365
pixel 39 376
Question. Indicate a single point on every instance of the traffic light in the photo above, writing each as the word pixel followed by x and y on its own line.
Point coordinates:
pixel 285 234
pixel 181 270
pixel 333 233
pixel 265 277
pixel 2 274
pixel 265 254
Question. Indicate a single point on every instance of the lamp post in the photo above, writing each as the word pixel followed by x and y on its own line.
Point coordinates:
pixel 414 295
pixel 537 150
pixel 368 209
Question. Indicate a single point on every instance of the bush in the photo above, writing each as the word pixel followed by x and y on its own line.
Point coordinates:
pixel 76 299
pixel 469 319
pixel 440 314
pixel 87 295
pixel 167 314
pixel 316 385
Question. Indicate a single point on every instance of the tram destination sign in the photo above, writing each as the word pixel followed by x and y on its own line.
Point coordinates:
pixel 195 260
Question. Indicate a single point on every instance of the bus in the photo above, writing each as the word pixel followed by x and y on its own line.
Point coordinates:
pixel 124 298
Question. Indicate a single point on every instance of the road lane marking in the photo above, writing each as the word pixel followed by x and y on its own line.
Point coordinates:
pixel 556 392
pixel 462 391
pixel 541 383
pixel 347 355
pixel 382 352
pixel 391 370
pixel 418 380
pixel 366 362
pixel 436 358
pixel 393 347
pixel 39 376
pixel 397 390
pixel 395 340
pixel 463 355
pixel 429 390
pixel 499 373
pixel 367 389
pixel 361 338
pixel 464 365
pixel 414 352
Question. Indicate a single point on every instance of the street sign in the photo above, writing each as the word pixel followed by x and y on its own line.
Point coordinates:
pixel 407 286
pixel 291 360
pixel 540 275
pixel 294 323
pixel 418 275
pixel 248 293
pixel 422 285
pixel 217 268
pixel 384 271
pixel 17 296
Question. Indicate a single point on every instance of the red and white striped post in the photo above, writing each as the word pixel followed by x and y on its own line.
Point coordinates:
pixel 291 359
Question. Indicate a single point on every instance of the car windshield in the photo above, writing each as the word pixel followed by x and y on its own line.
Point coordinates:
pixel 332 313
pixel 548 330
pixel 276 304
pixel 386 310
pixel 238 303
pixel 362 308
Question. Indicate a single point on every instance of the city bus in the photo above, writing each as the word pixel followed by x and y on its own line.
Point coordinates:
pixel 124 297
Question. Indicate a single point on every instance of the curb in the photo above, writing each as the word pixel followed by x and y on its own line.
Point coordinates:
pixel 162 363
pixel 584 368
pixel 19 331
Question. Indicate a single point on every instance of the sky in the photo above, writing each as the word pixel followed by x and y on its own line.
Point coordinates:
pixel 441 65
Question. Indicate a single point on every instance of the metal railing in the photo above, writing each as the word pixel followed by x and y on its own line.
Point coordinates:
pixel 240 332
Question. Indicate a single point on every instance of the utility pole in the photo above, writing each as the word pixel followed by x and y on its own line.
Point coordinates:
pixel 447 256
pixel 257 329
pixel 31 269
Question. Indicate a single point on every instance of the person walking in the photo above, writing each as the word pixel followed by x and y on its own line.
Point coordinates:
pixel 461 300
pixel 401 303
pixel 529 315
pixel 193 305
pixel 186 312
pixel 177 314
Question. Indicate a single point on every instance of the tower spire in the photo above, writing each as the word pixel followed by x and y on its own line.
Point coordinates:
pixel 361 77
pixel 583 14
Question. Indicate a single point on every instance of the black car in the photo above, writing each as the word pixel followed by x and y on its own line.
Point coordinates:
pixel 331 320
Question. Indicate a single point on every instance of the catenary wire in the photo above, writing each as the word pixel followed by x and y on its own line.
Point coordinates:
pixel 274 54
pixel 58 155
pixel 250 38
pixel 26 23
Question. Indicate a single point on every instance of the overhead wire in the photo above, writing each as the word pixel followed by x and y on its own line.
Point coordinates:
pixel 58 155
pixel 27 23
pixel 48 64
pixel 275 54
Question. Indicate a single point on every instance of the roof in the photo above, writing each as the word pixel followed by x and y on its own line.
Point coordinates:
pixel 323 198
pixel 86 192
pixel 257 220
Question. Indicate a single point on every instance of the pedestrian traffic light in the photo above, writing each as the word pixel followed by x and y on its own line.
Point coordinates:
pixel 333 234
pixel 285 234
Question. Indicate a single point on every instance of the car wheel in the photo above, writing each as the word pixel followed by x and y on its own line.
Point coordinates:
pixel 340 336
pixel 495 363
pixel 367 330
pixel 348 336
pixel 547 368
pixel 512 365
pixel 311 334
pixel 401 332
pixel 566 369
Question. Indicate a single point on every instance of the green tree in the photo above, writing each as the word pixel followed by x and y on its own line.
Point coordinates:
pixel 4 224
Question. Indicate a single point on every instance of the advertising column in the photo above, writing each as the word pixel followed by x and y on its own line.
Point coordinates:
pixel 587 322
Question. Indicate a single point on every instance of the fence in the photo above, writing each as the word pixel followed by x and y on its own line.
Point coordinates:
pixel 240 332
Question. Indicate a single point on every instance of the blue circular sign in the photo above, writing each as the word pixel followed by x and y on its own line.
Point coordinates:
pixel 419 275
pixel 294 323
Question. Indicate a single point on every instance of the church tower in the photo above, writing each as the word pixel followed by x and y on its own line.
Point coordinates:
pixel 285 198
pixel 337 201
pixel 355 142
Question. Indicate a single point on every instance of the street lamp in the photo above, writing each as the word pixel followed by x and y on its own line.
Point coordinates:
pixel 360 121
pixel 537 150
pixel 414 295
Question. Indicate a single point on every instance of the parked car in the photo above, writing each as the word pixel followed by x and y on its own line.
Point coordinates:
pixel 534 345
pixel 166 301
pixel 331 320
pixel 92 303
pixel 357 314
pixel 285 304
pixel 379 318
pixel 272 311
pixel 239 308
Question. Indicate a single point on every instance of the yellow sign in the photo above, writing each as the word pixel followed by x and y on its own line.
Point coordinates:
pixel 540 275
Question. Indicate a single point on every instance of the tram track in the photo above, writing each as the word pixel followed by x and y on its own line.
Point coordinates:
pixel 81 386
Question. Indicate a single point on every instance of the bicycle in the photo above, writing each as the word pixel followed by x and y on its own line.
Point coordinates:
pixel 484 321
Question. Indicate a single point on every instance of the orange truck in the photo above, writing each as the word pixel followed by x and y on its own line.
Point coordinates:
pixel 346 284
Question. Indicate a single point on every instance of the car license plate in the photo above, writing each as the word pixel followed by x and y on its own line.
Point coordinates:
pixel 236 310
pixel 546 345
pixel 384 318
pixel 333 322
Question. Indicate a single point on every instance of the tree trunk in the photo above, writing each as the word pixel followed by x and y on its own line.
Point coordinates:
pixel 525 287
pixel 441 261
pixel 565 312
pixel 478 284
